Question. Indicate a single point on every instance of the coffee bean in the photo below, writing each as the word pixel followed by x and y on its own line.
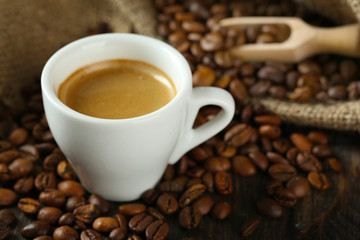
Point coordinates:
pixel 49 214
pixel 134 237
pixel 52 197
pixel 243 166
pixel 24 185
pixel 9 155
pixel 167 204
pixel 7 197
pixel 122 220
pixel 105 224
pixel 36 228
pixel 132 209
pixel 90 234
pixel 318 180
pixel 225 150
pixel 301 94
pixel 212 42
pixel 337 92
pixel 272 74
pixel 7 217
pixel 18 136
pixel 189 218
pixel 285 197
pixel 269 208
pixel 215 164
pixel 270 131
pixel 66 219
pixel 282 172
pixel 291 155
pixel 150 196
pixel 221 210
pixel 203 205
pixel 80 225
pixel 71 188
pixel 301 142
pixel 171 186
pixel 20 167
pixel 117 234
pixel 30 152
pixel 223 183
pixel 322 150
pixel 45 180
pixel 139 222
pixel 208 181
pixel 318 137
pixel 273 186
pixel 157 230
pixel 104 205
pixel 239 135
pixel 274 157
pixel 333 164
pixel 191 194
pixel 155 213
pixel 87 213
pixel 268 119
pixel 282 145
pixel 238 90
pixel 51 161
pixel 308 162
pixel 74 202
pixel 249 226
pixel 65 171
pixel 203 76
pixel 299 186
pixel 65 233
pixel 29 205
pixel 260 88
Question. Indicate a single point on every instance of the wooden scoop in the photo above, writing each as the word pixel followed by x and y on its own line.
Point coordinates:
pixel 304 40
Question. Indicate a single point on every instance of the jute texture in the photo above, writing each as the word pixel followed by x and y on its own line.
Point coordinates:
pixel 31 33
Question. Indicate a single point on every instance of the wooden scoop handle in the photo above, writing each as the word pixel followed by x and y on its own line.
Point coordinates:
pixel 344 40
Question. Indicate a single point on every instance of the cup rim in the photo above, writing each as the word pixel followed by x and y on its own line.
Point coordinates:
pixel 48 92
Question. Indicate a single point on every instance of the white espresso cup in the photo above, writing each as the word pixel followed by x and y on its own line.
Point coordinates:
pixel 119 159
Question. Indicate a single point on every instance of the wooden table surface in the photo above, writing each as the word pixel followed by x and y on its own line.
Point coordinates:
pixel 331 214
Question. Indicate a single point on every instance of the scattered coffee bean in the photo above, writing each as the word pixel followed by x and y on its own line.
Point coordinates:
pixel 318 180
pixel 105 224
pixel 132 209
pixel 221 210
pixel 189 218
pixel 249 227
pixel 35 229
pixel 29 205
pixel 269 208
pixel 65 233
pixel 90 234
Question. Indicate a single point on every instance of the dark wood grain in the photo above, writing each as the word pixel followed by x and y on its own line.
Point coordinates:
pixel 331 214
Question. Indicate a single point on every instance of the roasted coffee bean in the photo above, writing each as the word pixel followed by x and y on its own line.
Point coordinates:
pixel 30 152
pixel 103 204
pixel 272 74
pixel 195 173
pixel 80 225
pixel 71 188
pixel 157 230
pixel 29 205
pixel 260 88
pixel 20 167
pixel 150 196
pixel 74 202
pixel 301 142
pixel 155 213
pixel 308 162
pixel 203 76
pixel 282 145
pixel 269 208
pixel 134 237
pixel 277 92
pixel 249 226
pixel 282 172
pixel 172 186
pixel 45 180
pixel 105 224
pixel 333 164
pixel 239 135
pixel 52 197
pixel 243 166
pixel 36 228
pixel 318 137
pixel 203 205
pixel 167 204
pixel 24 185
pixel 274 157
pixel 337 92
pixel 140 222
pixel 51 161
pixel 28 121
pixel 322 151
pixel 225 150
pixel 117 234
pixel 7 197
pixel 87 213
pixel 273 186
pixel 65 233
pixel 90 234
pixel 223 183
pixel 270 131
pixel 221 210
pixel 49 214
pixel 318 180
pixel 65 171
pixel 66 219
pixel 291 155
pixel 212 42
pixel 191 194
pixel 268 119
pixel 122 220
pixel 189 218
pixel 238 90
pixel 4 173
pixel 18 136
pixel 285 197
pixel 299 186
pixel 208 181
pixel 132 209
pixel 301 94
pixel 215 164
pixel 7 217
pixel 9 155
pixel 193 26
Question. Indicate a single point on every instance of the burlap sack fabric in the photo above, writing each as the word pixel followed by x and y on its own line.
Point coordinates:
pixel 30 32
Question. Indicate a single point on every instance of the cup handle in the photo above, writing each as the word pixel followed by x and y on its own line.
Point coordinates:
pixel 202 96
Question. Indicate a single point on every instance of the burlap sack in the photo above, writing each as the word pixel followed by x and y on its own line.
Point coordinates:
pixel 30 32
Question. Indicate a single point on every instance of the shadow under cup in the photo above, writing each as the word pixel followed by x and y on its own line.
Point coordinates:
pixel 117 159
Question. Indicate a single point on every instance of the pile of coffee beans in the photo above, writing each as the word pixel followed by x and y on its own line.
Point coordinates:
pixel 192 27
pixel 37 179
